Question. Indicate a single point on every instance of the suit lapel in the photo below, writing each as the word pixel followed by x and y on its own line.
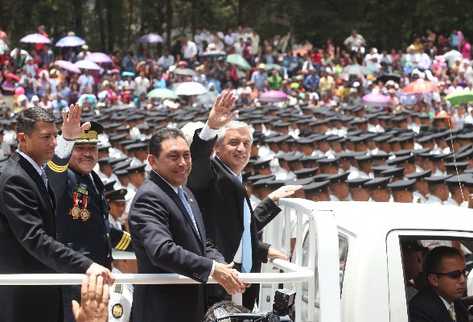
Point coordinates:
pixel 238 186
pixel 33 174
pixel 172 194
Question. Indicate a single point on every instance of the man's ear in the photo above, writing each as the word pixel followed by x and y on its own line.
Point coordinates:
pixel 152 160
pixel 433 280
pixel 21 137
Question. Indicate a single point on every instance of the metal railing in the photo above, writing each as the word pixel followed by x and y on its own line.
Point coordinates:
pixel 291 273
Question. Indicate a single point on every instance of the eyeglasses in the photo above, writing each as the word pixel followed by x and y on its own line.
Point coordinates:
pixel 454 274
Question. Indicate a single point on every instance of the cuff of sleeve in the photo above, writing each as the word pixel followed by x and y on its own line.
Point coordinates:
pixel 212 270
pixel 207 133
pixel 64 147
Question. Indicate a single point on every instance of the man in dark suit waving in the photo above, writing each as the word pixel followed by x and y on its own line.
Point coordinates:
pixel 439 301
pixel 216 182
pixel 169 236
pixel 27 221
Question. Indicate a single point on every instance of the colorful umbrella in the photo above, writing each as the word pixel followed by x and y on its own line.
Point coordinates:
pixel 420 86
pixel 376 99
pixel 35 39
pixel 128 74
pixel 190 88
pixel 460 97
pixel 99 58
pixel 151 38
pixel 67 65
pixel 185 72
pixel 87 64
pixel 70 41
pixel 162 93
pixel 273 96
pixel 238 60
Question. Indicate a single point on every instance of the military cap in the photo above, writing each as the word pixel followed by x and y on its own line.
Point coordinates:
pixel 394 172
pixel 137 146
pixel 377 183
pixel 342 177
pixel 363 158
pixel 104 161
pixel 139 168
pixel 121 172
pixel 301 182
pixel 116 195
pixel 402 185
pixel 261 164
pixel 304 173
pixel 316 187
pixel 400 160
pixel 453 167
pixel 419 175
pixel 320 177
pixel 255 178
pixel 117 160
pixel 109 185
pixel 101 147
pixel 122 165
pixel 436 179
pixel 466 178
pixel 328 161
pixel 90 136
pixel 357 182
pixel 118 137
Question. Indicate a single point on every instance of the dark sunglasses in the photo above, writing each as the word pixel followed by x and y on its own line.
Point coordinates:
pixel 454 274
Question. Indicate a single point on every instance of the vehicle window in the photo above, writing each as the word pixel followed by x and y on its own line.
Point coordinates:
pixel 414 250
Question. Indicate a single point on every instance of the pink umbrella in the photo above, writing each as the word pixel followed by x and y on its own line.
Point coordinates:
pixel 99 58
pixel 87 64
pixel 35 39
pixel 67 65
pixel 273 96
pixel 376 99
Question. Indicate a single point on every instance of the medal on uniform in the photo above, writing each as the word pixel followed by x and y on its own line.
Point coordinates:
pixel 117 311
pixel 84 213
pixel 75 211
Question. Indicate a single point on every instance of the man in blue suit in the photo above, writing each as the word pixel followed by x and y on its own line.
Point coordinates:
pixel 169 237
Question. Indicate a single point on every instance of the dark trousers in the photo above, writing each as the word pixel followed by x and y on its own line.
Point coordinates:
pixel 70 293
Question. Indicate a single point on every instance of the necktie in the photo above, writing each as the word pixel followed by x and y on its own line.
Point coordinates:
pixel 246 249
pixel 182 196
pixel 451 311
pixel 45 178
pixel 246 256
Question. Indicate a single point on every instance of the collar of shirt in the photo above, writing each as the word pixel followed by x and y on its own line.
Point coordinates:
pixel 448 306
pixel 227 167
pixel 435 199
pixel 172 187
pixel 35 165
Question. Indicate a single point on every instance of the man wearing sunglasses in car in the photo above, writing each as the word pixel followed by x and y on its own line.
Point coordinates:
pixel 439 301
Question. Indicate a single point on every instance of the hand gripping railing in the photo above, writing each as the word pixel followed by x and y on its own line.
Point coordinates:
pixel 293 273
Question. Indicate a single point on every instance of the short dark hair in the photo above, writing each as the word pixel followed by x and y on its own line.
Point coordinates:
pixel 28 118
pixel 161 135
pixel 433 259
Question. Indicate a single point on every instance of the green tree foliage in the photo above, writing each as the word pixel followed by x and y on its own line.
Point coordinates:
pixel 115 24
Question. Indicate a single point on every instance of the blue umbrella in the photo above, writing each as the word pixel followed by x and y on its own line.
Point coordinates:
pixel 70 41
pixel 128 74
pixel 151 38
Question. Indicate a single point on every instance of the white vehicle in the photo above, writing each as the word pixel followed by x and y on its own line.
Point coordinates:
pixel 365 281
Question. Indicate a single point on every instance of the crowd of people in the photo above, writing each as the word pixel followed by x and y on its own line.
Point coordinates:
pixel 159 146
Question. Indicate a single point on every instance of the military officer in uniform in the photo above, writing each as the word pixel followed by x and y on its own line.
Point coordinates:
pixel 81 208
